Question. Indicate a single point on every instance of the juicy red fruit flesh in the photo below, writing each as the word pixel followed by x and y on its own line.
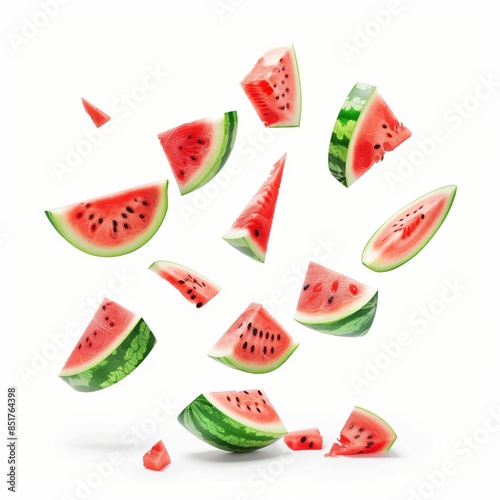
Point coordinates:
pixel 304 439
pixel 157 458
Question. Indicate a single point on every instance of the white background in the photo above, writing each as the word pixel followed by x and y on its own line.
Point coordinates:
pixel 428 61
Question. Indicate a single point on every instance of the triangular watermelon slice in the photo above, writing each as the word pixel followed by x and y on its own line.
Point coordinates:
pixel 250 231
pixel 98 117
pixel 364 131
pixel 196 151
pixel 273 87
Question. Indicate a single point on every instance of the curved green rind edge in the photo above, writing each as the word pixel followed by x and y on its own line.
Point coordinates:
pixel 120 363
pixel 217 429
pixel 245 246
pixel 344 128
pixel 380 267
pixel 213 168
pixel 355 324
pixel 299 93
pixel 257 369
pixel 137 243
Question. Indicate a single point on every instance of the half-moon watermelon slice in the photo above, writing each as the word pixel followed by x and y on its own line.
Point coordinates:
pixel 193 286
pixel 197 151
pixel 333 303
pixel 364 432
pixel 114 224
pixel 273 87
pixel 236 421
pixel 364 131
pixel 254 343
pixel 251 230
pixel 115 343
pixel 407 232
pixel 98 117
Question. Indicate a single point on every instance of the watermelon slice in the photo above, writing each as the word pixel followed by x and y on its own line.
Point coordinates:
pixel 363 432
pixel 254 343
pixel 364 131
pixel 98 117
pixel 193 286
pixel 304 439
pixel 157 458
pixel 250 231
pixel 273 87
pixel 402 236
pixel 114 344
pixel 115 224
pixel 197 151
pixel 333 303
pixel 236 421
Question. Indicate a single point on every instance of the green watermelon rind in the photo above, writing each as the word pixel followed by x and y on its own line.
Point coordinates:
pixel 226 137
pixel 345 128
pixel 378 265
pixel 242 240
pixel 218 429
pixel 351 324
pixel 57 219
pixel 137 343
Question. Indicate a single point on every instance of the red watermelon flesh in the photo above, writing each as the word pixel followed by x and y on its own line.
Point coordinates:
pixel 254 343
pixel 379 131
pixel 193 286
pixel 251 230
pixel 101 337
pixel 304 439
pixel 363 433
pixel 113 224
pixel 273 87
pixel 157 458
pixel 98 117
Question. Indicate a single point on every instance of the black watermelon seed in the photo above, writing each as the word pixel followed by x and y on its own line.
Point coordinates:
pixel 90 344
pixel 193 297
pixel 241 336
pixel 124 216
pixel 79 215
pixel 249 408
pixel 111 324
pixel 261 334
pixel 246 392
pixel 279 336
pixel 93 227
pixel 200 141
pixel 272 350
pixel 193 157
pixel 259 392
pixel 357 436
pixel 125 225
pixel 361 429
pixel 237 399
pixel 306 286
pixel 91 216
pixel 101 220
pixel 115 223
pixel 182 282
pixel 114 229
pixel 249 326
pixel 256 232
pixel 87 339
pixel 241 324
pixel 228 398
pixel 95 333
pixel 189 136
pixel 145 203
pixel 87 205
pixel 376 146
pixel 370 436
pixel 370 443
pixel 245 345
pixel 384 126
pixel 129 210
pixel 272 336
pixel 330 299
pixel 303 439
pixel 252 349
pixel 422 216
pixel 199 304
pixel 258 409
pixel 190 291
pixel 141 216
pixel 267 335
pixel 265 350
pixel 310 444
pixel 79 346
pixel 254 331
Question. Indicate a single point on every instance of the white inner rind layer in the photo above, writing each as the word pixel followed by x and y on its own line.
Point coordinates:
pixel 103 354
pixel 243 239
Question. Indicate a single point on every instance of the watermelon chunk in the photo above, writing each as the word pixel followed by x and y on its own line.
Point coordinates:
pixel 193 286
pixel 114 344
pixel 254 343
pixel 273 87
pixel 157 458
pixel 250 232
pixel 114 224
pixel 98 117
pixel 304 439
pixel 363 432
pixel 407 232
pixel 198 150
pixel 364 131
pixel 333 303
pixel 236 421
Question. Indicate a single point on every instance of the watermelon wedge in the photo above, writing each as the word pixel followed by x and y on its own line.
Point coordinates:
pixel 254 343
pixel 236 421
pixel 98 117
pixel 114 344
pixel 407 232
pixel 273 87
pixel 304 439
pixel 251 230
pixel 333 303
pixel 364 131
pixel 197 151
pixel 363 432
pixel 193 286
pixel 157 458
pixel 114 224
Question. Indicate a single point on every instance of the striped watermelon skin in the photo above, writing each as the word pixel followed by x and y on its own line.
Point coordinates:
pixel 344 128
pixel 121 362
pixel 220 430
